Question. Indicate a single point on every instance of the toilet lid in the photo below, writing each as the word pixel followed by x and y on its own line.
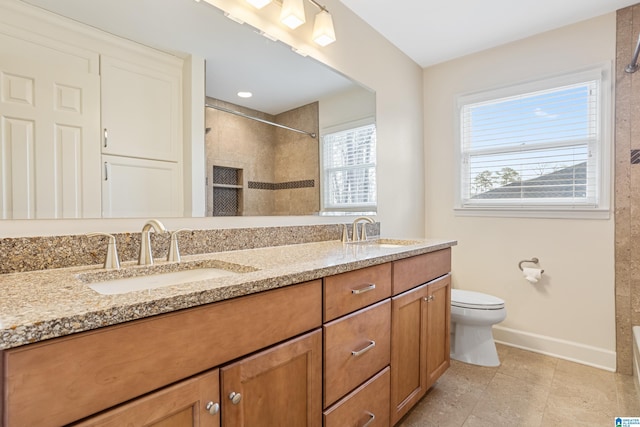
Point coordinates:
pixel 470 299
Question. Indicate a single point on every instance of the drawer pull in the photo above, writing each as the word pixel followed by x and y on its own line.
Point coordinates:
pixel 212 408
pixel 369 287
pixel 364 350
pixel 371 418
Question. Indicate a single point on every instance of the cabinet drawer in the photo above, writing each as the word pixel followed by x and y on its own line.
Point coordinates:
pixel 411 272
pixel 59 381
pixel 355 348
pixel 369 403
pixel 348 292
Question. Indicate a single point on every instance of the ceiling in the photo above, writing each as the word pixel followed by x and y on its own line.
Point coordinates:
pixel 237 57
pixel 434 31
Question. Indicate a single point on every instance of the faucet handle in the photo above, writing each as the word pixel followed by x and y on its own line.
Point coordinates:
pixel 345 234
pixel 363 233
pixel 174 251
pixel 111 260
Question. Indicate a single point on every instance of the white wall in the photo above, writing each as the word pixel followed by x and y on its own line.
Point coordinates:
pixel 364 55
pixel 571 313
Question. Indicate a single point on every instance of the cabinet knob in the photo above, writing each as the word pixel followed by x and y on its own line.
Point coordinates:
pixel 235 397
pixel 212 408
pixel 429 298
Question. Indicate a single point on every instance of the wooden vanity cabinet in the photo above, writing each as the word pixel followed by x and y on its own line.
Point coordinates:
pixel 60 381
pixel 420 341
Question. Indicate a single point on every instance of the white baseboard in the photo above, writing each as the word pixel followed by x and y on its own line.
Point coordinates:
pixel 562 349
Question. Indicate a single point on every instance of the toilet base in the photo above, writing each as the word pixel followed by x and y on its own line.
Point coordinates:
pixel 474 345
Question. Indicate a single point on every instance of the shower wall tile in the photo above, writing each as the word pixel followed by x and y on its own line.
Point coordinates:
pixel 627 187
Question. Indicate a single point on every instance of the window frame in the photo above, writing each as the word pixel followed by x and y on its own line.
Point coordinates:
pixel 541 209
pixel 368 209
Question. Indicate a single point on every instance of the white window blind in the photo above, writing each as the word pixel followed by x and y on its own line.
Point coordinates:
pixel 349 169
pixel 533 149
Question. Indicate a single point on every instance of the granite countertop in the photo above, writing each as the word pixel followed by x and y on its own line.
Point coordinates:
pixel 44 304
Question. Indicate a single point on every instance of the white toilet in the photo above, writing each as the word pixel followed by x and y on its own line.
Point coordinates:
pixel 472 316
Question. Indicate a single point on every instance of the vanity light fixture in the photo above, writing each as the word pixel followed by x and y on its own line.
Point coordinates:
pixel 258 4
pixel 323 32
pixel 292 14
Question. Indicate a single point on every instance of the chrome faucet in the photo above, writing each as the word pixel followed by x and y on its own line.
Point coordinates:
pixel 146 256
pixel 363 233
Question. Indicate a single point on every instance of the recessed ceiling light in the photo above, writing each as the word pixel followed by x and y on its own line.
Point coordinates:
pixel 245 94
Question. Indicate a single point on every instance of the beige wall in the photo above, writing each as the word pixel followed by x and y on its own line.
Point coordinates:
pixel 571 312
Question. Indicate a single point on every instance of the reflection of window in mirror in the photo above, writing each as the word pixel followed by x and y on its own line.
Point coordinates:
pixel 349 168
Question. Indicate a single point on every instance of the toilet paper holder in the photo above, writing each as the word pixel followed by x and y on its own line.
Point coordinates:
pixel 532 260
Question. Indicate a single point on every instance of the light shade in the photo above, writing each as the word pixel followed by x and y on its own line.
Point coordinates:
pixel 258 4
pixel 323 32
pixel 292 13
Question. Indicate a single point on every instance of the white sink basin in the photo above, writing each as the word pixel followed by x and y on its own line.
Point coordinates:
pixel 140 283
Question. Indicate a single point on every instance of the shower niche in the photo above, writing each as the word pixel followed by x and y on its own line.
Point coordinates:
pixel 227 191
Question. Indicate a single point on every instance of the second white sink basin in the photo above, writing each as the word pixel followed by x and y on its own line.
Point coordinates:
pixel 140 283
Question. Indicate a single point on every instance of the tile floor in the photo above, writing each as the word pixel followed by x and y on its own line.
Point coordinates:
pixel 528 389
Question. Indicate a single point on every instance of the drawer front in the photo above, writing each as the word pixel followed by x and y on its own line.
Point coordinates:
pixel 367 405
pixel 355 348
pixel 411 272
pixel 59 381
pixel 347 292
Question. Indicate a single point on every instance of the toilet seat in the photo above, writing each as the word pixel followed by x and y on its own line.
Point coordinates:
pixel 475 300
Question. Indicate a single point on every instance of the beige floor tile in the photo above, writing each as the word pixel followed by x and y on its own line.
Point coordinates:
pixel 446 405
pixel 628 399
pixel 582 394
pixel 512 401
pixel 533 367
pixel 528 389
pixel 474 421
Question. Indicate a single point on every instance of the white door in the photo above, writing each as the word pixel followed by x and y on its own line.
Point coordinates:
pixel 134 188
pixel 49 136
pixel 141 108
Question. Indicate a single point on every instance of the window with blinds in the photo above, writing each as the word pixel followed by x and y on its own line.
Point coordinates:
pixel 349 169
pixel 534 149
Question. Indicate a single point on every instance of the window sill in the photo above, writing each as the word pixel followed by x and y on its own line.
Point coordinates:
pixel 535 213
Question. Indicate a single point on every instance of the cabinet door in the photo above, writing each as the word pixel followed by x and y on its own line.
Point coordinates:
pixel 190 403
pixel 141 109
pixel 281 386
pixel 438 327
pixel 140 188
pixel 408 350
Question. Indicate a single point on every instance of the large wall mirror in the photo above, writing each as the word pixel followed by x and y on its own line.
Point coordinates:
pixel 251 167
